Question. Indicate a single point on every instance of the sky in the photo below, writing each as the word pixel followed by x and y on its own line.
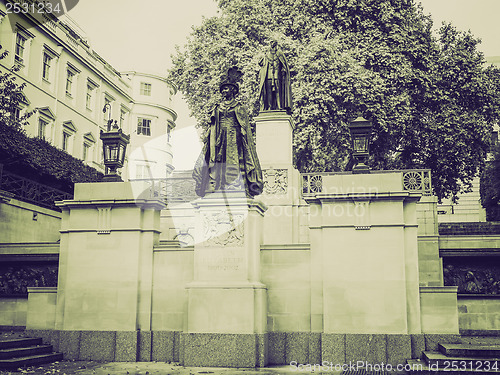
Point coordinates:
pixel 141 36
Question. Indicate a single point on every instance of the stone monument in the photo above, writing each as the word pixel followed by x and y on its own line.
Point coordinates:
pixel 226 314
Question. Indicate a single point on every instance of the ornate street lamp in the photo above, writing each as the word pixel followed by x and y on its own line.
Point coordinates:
pixel 114 144
pixel 360 130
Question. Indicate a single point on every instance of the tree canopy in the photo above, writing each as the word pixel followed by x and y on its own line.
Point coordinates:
pixel 431 99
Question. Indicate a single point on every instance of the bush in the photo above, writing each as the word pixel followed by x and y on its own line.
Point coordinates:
pixel 38 160
pixel 490 187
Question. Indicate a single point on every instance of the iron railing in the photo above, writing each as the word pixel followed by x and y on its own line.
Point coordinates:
pixel 414 180
pixel 172 189
pixel 31 191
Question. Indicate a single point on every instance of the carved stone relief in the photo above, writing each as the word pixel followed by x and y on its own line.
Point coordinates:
pixel 275 181
pixel 223 229
pixel 472 276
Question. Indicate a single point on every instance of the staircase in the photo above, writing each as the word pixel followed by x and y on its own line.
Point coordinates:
pixel 475 355
pixel 22 351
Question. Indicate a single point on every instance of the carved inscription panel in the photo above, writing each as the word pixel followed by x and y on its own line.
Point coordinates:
pixel 222 228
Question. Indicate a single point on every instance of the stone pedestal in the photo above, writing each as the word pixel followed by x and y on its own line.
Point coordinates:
pixel 285 221
pixel 227 303
pixel 106 259
pixel 364 254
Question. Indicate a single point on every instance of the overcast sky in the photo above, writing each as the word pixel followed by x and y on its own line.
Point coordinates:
pixel 141 35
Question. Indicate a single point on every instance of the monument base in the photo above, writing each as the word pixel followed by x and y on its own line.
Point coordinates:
pixel 224 349
pixel 227 308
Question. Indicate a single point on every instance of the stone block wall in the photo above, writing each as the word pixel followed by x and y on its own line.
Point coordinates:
pixel 41 308
pixel 429 262
pixel 172 270
pixel 25 222
pixel 13 311
pixel 286 273
pixel 479 313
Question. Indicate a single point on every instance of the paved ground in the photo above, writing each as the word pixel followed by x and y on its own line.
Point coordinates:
pixel 143 368
pixel 149 368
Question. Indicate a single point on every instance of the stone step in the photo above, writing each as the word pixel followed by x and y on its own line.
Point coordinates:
pixel 420 367
pixel 25 351
pixel 439 362
pixel 19 343
pixel 493 339
pixel 470 350
pixel 32 360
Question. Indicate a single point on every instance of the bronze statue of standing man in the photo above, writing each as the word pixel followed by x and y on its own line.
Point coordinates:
pixel 274 81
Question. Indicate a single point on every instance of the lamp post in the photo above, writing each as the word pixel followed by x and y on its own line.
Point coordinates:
pixel 114 144
pixel 360 130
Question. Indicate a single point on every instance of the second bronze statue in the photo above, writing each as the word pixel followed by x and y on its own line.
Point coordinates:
pixel 274 81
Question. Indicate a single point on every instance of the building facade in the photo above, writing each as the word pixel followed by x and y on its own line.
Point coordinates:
pixel 68 84
pixel 153 123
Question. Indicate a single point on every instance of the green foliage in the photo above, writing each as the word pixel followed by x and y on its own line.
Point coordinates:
pixel 431 100
pixel 490 187
pixel 11 96
pixel 34 158
pixel 37 159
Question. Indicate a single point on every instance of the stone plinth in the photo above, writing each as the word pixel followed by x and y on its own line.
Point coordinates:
pixel 106 258
pixel 284 222
pixel 227 303
pixel 439 309
pixel 41 308
pixel 364 257
pixel 274 138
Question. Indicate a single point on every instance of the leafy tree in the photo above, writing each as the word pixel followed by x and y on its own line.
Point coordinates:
pixel 11 95
pixel 490 186
pixel 430 98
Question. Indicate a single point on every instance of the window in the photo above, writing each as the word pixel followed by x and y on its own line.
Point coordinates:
pixel 89 100
pixel 86 151
pixel 142 171
pixel 122 118
pixel 69 82
pixel 145 89
pixel 20 47
pixel 47 59
pixel 170 126
pixel 45 120
pixel 65 141
pixel 69 130
pixel 143 126
pixel 42 128
pixel 71 72
pixel 90 96
pixel 88 147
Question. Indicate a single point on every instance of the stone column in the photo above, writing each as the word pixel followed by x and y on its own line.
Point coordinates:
pixel 364 238
pixel 285 220
pixel 226 313
pixel 106 259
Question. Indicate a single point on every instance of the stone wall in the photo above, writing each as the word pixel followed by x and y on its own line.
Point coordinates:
pixel 479 313
pixel 287 274
pixel 172 270
pixel 25 222
pixel 13 311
